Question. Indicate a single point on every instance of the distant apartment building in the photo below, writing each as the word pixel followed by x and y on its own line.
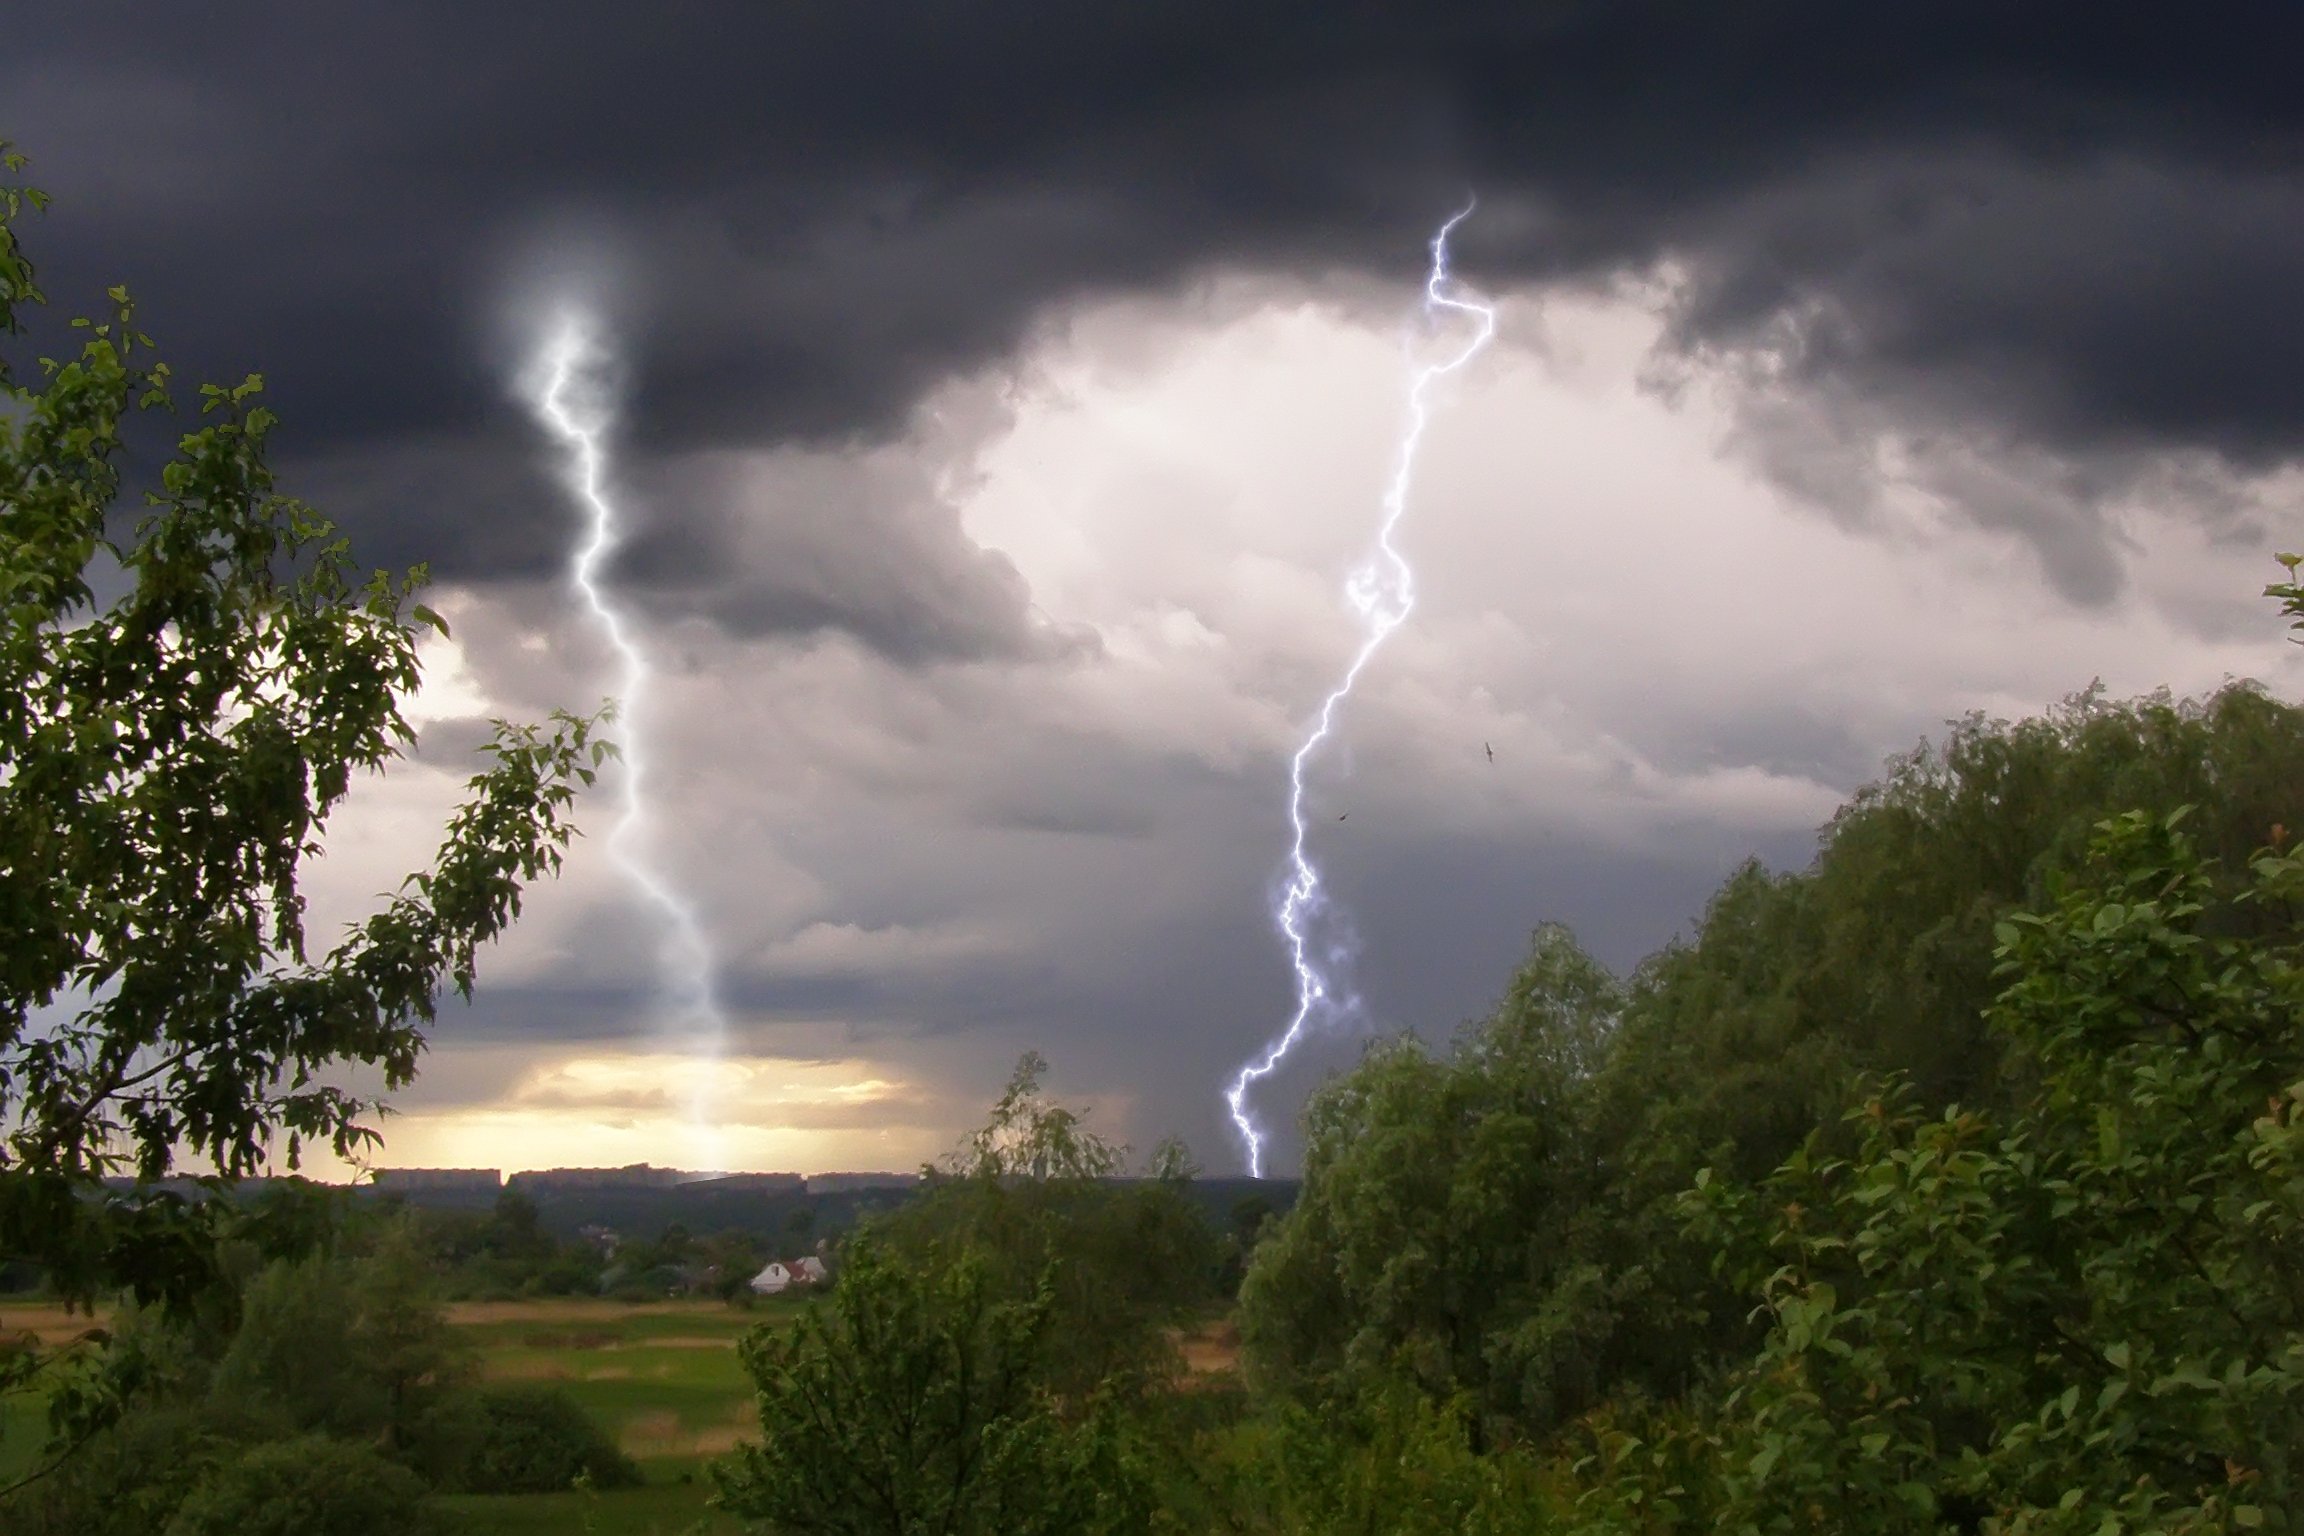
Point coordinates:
pixel 440 1181
pixel 637 1176
pixel 839 1183
pixel 751 1183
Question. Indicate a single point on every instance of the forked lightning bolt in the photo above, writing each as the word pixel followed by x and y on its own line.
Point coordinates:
pixel 1382 592
pixel 570 400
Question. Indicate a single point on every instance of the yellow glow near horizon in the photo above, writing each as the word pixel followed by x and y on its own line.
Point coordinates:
pixel 611 1109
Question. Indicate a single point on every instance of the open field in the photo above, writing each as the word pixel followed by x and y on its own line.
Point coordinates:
pixel 24 1418
pixel 1211 1350
pixel 661 1376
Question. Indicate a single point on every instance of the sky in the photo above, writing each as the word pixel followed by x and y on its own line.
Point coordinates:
pixel 1005 391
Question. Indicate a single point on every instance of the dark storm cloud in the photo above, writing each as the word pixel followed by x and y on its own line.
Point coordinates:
pixel 2058 229
pixel 767 544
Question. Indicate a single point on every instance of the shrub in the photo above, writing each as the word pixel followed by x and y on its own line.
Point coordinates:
pixel 913 1402
pixel 309 1486
pixel 125 1481
pixel 537 1440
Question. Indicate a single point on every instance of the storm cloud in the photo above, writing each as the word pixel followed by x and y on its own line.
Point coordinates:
pixel 2052 231
pixel 1006 388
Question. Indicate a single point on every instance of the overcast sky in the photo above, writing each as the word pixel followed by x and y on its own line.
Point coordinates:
pixel 1007 390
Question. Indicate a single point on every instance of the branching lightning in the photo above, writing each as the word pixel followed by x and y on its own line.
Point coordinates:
pixel 1382 593
pixel 570 400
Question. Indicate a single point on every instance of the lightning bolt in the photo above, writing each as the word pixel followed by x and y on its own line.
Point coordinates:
pixel 571 401
pixel 1382 592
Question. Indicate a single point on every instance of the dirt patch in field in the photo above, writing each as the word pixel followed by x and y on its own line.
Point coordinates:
pixel 719 1442
pixel 48 1322
pixel 688 1342
pixel 500 1369
pixel 565 1310
pixel 552 1340
pixel 1211 1351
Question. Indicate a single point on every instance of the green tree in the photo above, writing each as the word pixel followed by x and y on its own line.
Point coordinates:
pixel 538 1439
pixel 916 1403
pixel 127 1480
pixel 1879 958
pixel 355 1348
pixel 2082 1313
pixel 186 696
pixel 311 1486
pixel 1437 1235
pixel 1034 1199
pixel 1391 1462
pixel 342 1345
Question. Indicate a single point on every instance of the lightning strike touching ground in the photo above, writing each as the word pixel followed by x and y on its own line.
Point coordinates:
pixel 1382 592
pixel 570 399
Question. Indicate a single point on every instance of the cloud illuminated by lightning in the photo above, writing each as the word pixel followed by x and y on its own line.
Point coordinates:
pixel 571 399
pixel 1382 592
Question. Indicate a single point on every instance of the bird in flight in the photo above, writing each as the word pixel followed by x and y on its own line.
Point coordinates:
pixel 1491 752
pixel 1347 813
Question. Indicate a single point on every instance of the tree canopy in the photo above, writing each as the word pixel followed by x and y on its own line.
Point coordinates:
pixel 194 675
pixel 1503 1222
pixel 187 693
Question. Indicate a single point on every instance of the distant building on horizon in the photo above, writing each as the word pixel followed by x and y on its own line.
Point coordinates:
pixel 839 1183
pixel 632 1176
pixel 437 1181
pixel 777 1183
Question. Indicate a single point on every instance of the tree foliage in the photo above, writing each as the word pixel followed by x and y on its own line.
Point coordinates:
pixel 2084 1313
pixel 348 1345
pixel 185 697
pixel 187 694
pixel 356 1348
pixel 312 1486
pixel 1440 1198
pixel 1507 1224
pixel 538 1439
pixel 1033 1198
pixel 917 1403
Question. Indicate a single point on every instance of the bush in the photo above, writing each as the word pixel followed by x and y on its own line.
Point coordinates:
pixel 126 1481
pixel 913 1402
pixel 356 1349
pixel 537 1440
pixel 310 1486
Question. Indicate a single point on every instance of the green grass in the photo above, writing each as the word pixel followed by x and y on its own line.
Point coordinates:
pixel 24 1414
pixel 23 1429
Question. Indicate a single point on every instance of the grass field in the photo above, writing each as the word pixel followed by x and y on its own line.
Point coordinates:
pixel 661 1376
pixel 24 1418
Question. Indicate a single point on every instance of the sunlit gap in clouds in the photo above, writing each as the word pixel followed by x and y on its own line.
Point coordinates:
pixel 569 392
pixel 605 1106
pixel 1382 593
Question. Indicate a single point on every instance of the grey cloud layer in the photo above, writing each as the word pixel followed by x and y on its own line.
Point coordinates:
pixel 2024 262
pixel 2051 228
